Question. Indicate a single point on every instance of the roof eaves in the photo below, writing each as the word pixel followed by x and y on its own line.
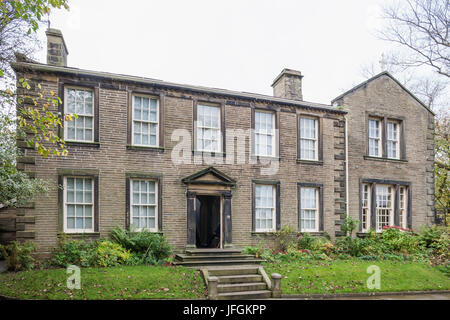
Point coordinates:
pixel 156 82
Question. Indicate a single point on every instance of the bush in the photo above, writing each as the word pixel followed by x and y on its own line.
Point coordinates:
pixel 150 248
pixel 18 255
pixel 109 254
pixel 74 252
pixel 285 237
pixel 256 251
pixel 305 241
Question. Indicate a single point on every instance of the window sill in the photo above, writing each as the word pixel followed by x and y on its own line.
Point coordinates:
pixel 83 144
pixel 80 234
pixel 208 154
pixel 269 158
pixel 313 233
pixel 263 233
pixel 144 148
pixel 311 162
pixel 384 159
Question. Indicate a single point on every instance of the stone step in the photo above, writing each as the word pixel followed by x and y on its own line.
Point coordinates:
pixel 244 295
pixel 244 278
pixel 212 251
pixel 221 262
pixel 189 257
pixel 232 270
pixel 240 287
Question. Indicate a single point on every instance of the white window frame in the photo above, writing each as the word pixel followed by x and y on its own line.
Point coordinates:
pixel 274 194
pixel 315 139
pixel 378 209
pixel 403 206
pixel 156 205
pixel 316 209
pixel 92 204
pixel 366 203
pixel 396 140
pixel 219 129
pixel 149 122
pixel 379 138
pixel 66 88
pixel 266 134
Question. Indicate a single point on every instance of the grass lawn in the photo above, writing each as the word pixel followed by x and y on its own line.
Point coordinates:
pixel 350 276
pixel 136 282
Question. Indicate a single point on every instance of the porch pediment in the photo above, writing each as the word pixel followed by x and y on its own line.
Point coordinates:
pixel 209 176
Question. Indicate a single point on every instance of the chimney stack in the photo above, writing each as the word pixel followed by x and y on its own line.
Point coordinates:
pixel 56 48
pixel 288 85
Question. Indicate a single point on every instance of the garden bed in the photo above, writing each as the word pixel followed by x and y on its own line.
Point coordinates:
pixel 125 282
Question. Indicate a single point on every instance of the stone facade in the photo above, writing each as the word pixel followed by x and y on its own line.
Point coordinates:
pixel 385 98
pixel 112 160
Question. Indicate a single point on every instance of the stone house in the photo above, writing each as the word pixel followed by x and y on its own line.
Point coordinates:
pixel 214 168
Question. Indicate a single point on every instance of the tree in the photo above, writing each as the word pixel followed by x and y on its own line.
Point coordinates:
pixel 24 111
pixel 421 29
pixel 442 165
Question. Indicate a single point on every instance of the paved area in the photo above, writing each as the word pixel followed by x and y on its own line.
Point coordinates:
pixel 419 296
pixel 425 296
pixel 2 266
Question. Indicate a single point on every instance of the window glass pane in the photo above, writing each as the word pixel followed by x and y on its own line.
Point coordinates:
pixel 137 108
pixel 145 109
pixel 70 223
pixel 88 223
pixel 71 210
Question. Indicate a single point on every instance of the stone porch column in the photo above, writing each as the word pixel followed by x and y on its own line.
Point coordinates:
pixel 227 223
pixel 191 220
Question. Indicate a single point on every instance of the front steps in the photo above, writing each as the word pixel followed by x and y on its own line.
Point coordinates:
pixel 197 258
pixel 237 282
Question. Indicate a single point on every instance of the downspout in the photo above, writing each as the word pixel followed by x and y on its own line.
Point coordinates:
pixel 346 168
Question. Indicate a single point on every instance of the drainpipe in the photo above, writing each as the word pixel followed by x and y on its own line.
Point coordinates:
pixel 346 168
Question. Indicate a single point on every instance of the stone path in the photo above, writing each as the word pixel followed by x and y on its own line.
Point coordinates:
pixel 419 296
pixel 2 266
pixel 425 296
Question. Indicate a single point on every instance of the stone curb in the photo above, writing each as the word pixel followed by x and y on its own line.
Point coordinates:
pixel 360 294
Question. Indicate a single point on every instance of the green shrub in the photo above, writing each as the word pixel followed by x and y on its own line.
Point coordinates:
pixel 354 247
pixel 398 241
pixel 74 252
pixel 349 225
pixel 437 239
pixel 18 255
pixel 256 251
pixel 285 237
pixel 109 254
pixel 151 248
pixel 305 241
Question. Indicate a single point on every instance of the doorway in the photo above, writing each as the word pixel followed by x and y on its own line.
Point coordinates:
pixel 208 231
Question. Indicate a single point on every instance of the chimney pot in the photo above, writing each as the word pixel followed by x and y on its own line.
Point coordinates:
pixel 56 48
pixel 288 85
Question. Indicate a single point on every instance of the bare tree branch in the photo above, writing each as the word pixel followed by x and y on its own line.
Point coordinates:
pixel 422 28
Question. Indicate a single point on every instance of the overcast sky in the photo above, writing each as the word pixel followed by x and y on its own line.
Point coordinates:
pixel 239 45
